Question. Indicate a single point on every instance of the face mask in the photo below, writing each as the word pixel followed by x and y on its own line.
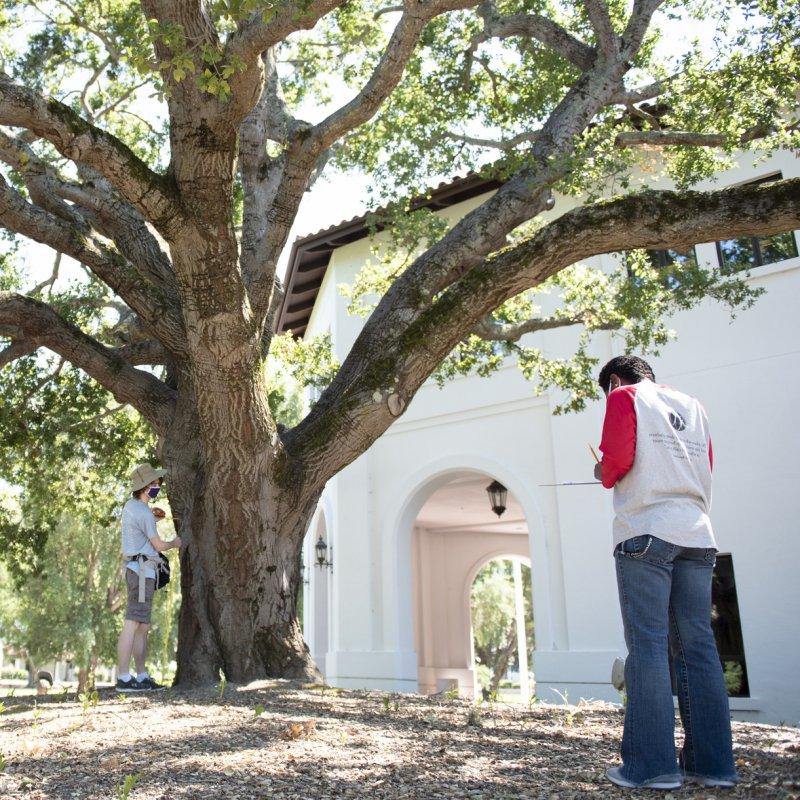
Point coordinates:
pixel 153 491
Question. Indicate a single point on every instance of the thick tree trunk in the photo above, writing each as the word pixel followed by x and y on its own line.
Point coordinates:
pixel 240 564
pixel 240 507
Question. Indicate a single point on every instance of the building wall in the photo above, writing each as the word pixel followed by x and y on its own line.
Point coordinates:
pixel 746 372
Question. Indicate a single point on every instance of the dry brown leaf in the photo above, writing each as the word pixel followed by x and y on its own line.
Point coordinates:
pixel 299 730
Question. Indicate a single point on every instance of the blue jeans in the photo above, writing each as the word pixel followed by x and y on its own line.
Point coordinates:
pixel 665 597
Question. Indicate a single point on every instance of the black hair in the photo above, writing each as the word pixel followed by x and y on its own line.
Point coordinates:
pixel 629 368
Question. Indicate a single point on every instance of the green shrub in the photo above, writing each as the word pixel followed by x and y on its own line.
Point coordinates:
pixel 734 676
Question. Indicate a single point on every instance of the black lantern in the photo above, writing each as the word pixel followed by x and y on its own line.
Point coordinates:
pixel 322 553
pixel 497 497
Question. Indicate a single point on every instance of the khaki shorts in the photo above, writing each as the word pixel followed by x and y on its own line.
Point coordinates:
pixel 136 611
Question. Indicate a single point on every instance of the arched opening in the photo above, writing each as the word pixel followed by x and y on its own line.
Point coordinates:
pixel 455 533
pixel 316 592
pixel 502 629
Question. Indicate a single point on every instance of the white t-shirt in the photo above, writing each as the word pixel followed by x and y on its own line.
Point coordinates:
pixel 138 528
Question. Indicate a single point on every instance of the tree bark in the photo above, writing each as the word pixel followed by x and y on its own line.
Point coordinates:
pixel 242 525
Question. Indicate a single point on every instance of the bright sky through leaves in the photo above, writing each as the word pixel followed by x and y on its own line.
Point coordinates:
pixel 339 196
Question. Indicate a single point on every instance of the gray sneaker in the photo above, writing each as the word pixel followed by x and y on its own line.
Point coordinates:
pixel 715 783
pixel 614 774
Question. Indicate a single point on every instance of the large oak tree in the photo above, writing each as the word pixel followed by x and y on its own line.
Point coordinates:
pixel 180 228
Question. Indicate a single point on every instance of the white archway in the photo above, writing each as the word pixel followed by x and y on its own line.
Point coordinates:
pixel 318 606
pixel 549 606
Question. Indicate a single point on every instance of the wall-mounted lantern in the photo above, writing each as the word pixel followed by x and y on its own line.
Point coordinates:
pixel 322 554
pixel 497 497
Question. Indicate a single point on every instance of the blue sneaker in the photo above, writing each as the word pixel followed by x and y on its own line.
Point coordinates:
pixel 614 774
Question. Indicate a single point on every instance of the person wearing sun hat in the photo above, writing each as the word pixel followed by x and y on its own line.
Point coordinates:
pixel 141 546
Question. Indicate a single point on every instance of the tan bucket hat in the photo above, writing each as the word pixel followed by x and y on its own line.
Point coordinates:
pixel 143 475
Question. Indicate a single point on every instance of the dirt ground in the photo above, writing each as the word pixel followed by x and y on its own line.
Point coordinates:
pixel 279 740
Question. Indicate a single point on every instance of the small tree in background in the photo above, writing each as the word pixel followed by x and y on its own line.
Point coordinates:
pixel 494 628
pixel 60 532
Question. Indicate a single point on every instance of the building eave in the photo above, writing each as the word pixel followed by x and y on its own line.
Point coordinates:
pixel 311 254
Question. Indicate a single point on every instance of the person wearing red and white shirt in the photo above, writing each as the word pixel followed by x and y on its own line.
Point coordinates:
pixel 657 458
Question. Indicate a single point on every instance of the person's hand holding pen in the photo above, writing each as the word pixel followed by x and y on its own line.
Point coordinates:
pixel 598 467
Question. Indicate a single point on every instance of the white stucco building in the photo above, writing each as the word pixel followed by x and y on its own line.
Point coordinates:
pixel 408 524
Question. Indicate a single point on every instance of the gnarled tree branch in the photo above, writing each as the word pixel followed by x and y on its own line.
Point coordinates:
pixel 638 23
pixel 96 204
pixel 666 138
pixel 77 241
pixel 38 325
pixel 493 331
pixel 309 147
pixel 506 145
pixel 255 35
pixel 17 349
pixel 262 176
pixel 381 380
pixel 534 26
pixel 152 194
pixel 387 73
pixel 607 41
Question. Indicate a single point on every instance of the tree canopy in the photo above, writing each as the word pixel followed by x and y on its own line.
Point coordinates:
pixel 440 87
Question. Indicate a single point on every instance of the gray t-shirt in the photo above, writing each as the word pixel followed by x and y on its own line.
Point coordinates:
pixel 138 528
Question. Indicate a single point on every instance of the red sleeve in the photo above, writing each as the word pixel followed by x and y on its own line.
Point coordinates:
pixel 619 435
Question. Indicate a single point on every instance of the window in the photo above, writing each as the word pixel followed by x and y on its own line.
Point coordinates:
pixel 727 627
pixel 666 263
pixel 736 255
pixel 666 258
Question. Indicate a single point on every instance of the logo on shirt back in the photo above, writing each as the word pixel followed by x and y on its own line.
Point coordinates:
pixel 677 421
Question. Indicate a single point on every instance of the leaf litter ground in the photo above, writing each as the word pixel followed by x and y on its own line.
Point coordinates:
pixel 284 740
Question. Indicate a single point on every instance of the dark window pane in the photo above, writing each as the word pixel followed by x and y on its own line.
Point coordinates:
pixel 727 627
pixel 670 261
pixel 737 254
pixel 777 248
pixel 684 259
pixel 663 258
